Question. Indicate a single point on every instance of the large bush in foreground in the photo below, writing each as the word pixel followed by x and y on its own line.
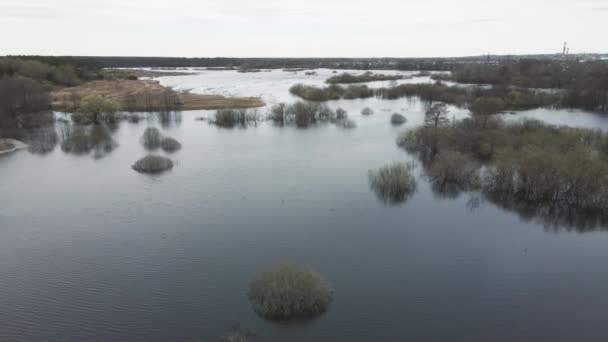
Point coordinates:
pixel 289 291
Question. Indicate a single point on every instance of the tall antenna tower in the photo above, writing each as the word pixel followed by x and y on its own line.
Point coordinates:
pixel 566 50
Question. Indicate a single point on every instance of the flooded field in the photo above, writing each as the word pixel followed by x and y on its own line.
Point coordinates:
pixel 92 250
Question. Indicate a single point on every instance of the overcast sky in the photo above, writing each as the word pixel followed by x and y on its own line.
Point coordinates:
pixel 306 28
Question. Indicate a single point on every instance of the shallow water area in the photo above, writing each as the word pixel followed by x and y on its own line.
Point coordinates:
pixel 92 250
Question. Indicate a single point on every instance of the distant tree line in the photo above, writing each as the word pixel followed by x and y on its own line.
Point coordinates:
pixel 57 71
pixel 92 63
pixel 585 83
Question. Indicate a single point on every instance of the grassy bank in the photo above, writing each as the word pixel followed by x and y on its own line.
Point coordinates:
pixel 146 95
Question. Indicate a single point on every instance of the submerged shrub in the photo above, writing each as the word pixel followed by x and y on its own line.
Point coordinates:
pixel 346 124
pixel 229 118
pixel 169 144
pixel 289 291
pixel 398 119
pixel 325 113
pixel 341 114
pixel 151 138
pixel 333 92
pixel 278 113
pixel 451 172
pixel 365 77
pixel 153 164
pixel 304 113
pixel 367 111
pixel 133 118
pixel 554 173
pixel 357 92
pixel 82 119
pixel 82 140
pixel 238 333
pixel 394 183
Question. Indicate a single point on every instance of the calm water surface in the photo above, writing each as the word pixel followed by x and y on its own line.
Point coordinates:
pixel 91 250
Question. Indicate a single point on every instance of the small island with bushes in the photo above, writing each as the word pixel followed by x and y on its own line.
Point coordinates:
pixel 369 76
pixel 289 291
pixel 394 183
pixel 153 164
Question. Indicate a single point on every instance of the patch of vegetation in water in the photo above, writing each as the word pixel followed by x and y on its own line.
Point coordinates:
pixel 346 124
pixel 585 84
pixel 557 174
pixel 289 291
pixel 230 118
pixel 367 111
pixel 494 99
pixel 84 139
pixel 170 145
pixel 304 114
pixel 151 138
pixel 346 78
pixel 238 333
pixel 394 183
pixel 153 164
pixel 481 99
pixel 44 139
pixel 398 119
pixel 332 92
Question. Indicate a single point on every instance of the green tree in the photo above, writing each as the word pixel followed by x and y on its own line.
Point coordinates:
pixel 98 108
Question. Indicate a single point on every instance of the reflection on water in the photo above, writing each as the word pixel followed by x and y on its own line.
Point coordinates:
pixel 84 139
pixel 552 216
pixel 168 119
pixel 41 140
pixel 168 258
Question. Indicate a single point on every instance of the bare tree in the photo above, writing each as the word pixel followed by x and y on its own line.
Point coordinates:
pixel 436 115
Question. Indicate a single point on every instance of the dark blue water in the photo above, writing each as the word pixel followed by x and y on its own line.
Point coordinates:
pixel 91 250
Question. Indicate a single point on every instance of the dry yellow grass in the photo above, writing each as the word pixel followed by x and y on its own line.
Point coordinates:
pixel 146 95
